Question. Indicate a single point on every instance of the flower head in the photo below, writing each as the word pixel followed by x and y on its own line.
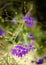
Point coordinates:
pixel 40 61
pixel 27 17
pixel 29 23
pixel 30 34
pixel 29 20
pixel 2 32
pixel 19 51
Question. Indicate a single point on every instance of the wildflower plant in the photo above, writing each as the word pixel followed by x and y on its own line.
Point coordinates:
pixel 20 26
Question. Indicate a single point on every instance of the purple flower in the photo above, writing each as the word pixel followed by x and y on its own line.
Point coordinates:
pixel 24 52
pixel 19 47
pixel 19 51
pixel 13 51
pixel 13 21
pixel 30 47
pixel 40 61
pixel 2 32
pixel 27 17
pixel 31 36
pixel 29 20
pixel 29 23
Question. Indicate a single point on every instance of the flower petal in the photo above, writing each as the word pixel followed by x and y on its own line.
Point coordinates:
pixel 2 32
pixel 40 61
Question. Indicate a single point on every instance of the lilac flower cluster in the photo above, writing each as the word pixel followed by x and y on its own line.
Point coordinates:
pixel 29 20
pixel 2 32
pixel 20 50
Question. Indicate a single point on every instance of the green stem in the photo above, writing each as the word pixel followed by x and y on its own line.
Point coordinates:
pixel 18 30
